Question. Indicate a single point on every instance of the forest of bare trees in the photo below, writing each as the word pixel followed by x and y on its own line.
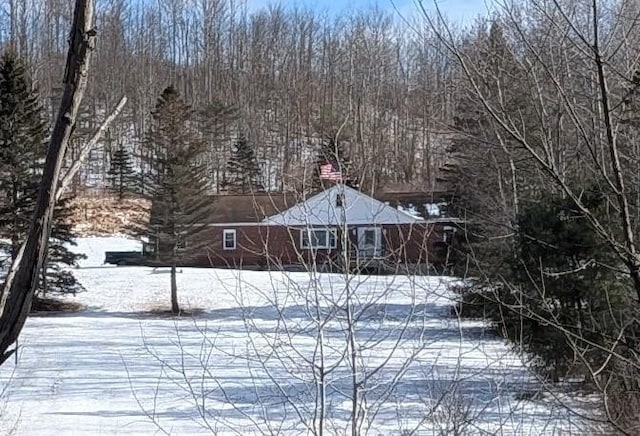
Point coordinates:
pixel 290 74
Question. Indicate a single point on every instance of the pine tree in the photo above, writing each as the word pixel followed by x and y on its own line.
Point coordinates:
pixel 334 136
pixel 563 272
pixel 23 134
pixel 56 277
pixel 122 177
pixel 243 175
pixel 333 152
pixel 22 144
pixel 178 185
pixel 487 172
pixel 214 120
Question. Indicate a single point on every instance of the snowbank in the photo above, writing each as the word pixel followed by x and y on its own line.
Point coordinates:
pixel 95 247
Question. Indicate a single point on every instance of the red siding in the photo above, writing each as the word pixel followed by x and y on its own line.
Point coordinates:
pixel 264 246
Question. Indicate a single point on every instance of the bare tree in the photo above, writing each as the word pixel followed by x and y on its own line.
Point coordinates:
pixel 574 65
pixel 22 279
pixel 391 84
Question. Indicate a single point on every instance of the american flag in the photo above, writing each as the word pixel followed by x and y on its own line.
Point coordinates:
pixel 328 172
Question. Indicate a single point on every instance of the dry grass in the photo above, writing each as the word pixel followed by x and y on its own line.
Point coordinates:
pixel 105 214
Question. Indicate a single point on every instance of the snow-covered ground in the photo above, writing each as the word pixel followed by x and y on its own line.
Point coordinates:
pixel 247 361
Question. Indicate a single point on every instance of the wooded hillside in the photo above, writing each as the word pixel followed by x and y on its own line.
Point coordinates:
pixel 293 76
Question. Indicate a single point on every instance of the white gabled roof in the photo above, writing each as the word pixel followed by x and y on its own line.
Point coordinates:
pixel 358 209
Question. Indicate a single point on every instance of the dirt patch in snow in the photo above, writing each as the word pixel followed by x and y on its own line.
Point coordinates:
pixel 165 312
pixel 50 306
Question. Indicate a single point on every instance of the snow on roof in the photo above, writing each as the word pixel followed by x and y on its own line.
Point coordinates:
pixel 433 209
pixel 323 209
pixel 411 210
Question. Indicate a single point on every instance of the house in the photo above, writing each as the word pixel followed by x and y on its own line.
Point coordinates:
pixel 333 229
pixel 430 205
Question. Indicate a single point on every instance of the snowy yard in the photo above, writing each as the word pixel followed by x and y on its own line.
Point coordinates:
pixel 248 361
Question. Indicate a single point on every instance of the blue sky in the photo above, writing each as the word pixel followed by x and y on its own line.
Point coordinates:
pixel 457 10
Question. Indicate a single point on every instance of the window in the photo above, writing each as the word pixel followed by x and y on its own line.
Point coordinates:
pixel 229 239
pixel 317 238
pixel 339 200
pixel 369 237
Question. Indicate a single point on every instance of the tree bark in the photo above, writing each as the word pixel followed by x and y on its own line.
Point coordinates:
pixel 631 255
pixel 175 309
pixel 22 280
pixel 86 149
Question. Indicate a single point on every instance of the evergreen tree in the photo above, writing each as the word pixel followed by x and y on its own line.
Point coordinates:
pixel 565 273
pixel 487 173
pixel 178 185
pixel 56 276
pixel 214 120
pixel 333 152
pixel 243 175
pixel 23 134
pixel 121 175
pixel 22 145
pixel 334 136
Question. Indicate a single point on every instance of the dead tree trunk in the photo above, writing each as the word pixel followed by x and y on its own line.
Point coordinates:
pixel 65 181
pixel 22 280
pixel 175 308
